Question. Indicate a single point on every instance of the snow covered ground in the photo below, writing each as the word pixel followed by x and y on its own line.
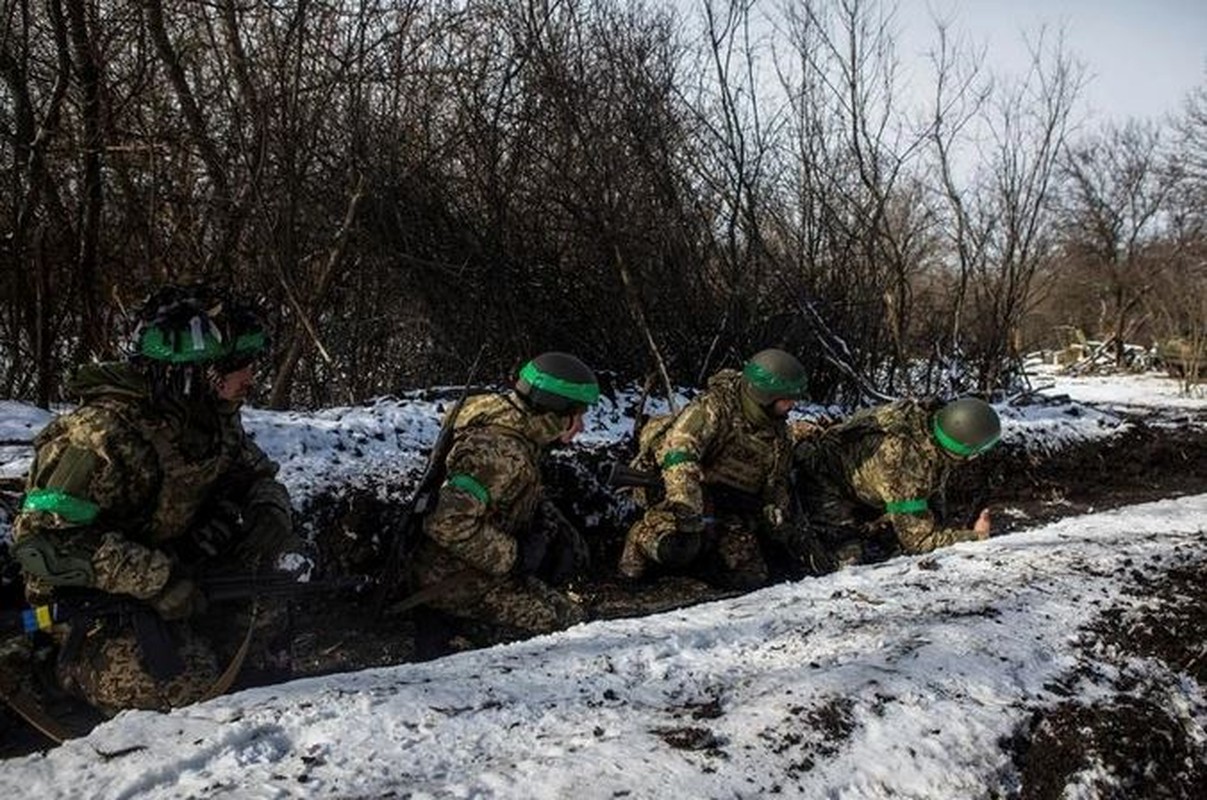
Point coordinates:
pixel 900 679
pixel 897 680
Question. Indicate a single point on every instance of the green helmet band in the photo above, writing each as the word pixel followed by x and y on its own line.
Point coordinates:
pixel 205 346
pixel 957 447
pixel 585 393
pixel 250 343
pixel 767 381
pixel 196 347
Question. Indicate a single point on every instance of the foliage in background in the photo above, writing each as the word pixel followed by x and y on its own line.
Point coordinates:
pixel 401 181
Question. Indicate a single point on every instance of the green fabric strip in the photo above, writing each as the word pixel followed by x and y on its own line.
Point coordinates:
pixel 959 448
pixel 251 342
pixel 766 381
pixel 470 485
pixel 153 344
pixel 72 509
pixel 585 393
pixel 676 457
pixel 915 506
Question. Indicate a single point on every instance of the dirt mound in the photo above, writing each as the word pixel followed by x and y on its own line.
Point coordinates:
pixel 1141 464
pixel 1139 740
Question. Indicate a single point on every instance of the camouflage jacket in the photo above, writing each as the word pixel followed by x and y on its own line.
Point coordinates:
pixel 492 488
pixel 885 462
pixel 722 440
pixel 118 482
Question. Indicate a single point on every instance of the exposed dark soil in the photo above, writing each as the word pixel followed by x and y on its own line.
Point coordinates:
pixel 1133 742
pixel 1144 745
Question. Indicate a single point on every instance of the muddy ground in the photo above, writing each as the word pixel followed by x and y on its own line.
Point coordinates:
pixel 1130 734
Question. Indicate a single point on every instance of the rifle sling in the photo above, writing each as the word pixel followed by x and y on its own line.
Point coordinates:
pixel 28 709
pixel 227 678
pixel 427 593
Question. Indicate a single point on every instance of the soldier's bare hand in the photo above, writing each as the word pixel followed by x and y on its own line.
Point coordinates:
pixel 983 525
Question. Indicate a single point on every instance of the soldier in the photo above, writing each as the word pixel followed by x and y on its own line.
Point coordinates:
pixel 149 480
pixel 481 553
pixel 724 461
pixel 873 476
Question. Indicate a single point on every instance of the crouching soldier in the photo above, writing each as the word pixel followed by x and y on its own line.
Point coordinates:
pixel 478 563
pixel 724 462
pixel 867 484
pixel 151 480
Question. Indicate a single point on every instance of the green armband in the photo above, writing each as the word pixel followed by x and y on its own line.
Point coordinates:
pixel 916 506
pixel 470 485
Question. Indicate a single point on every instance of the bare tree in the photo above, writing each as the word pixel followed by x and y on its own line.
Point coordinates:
pixel 1001 217
pixel 1115 192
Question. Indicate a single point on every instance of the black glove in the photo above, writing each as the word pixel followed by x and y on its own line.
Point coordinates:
pixel 269 531
pixel 814 557
pixel 530 551
pixel 678 549
pixel 178 599
pixel 221 528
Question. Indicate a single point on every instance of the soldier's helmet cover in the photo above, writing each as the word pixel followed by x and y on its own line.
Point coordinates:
pixel 774 374
pixel 967 427
pixel 183 330
pixel 557 382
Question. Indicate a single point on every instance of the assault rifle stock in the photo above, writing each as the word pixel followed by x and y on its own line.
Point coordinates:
pixel 619 474
pixel 400 538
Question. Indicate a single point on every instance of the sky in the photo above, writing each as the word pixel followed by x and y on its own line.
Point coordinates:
pixel 922 665
pixel 1142 56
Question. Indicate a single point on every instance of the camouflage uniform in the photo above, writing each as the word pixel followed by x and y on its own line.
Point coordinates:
pixel 467 558
pixel 876 472
pixel 722 458
pixel 118 488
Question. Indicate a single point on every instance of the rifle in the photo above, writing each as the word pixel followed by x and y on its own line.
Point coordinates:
pixel 806 546
pixel 399 538
pixel 154 638
pixel 721 496
pixel 217 587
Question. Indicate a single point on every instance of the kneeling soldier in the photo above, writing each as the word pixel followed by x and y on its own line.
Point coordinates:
pixel 481 553
pixel 150 480
pixel 724 462
pixel 867 484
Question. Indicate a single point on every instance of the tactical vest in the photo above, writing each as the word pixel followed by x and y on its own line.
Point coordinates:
pixel 743 454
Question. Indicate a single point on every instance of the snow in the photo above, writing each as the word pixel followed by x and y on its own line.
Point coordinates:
pixel 891 680
pixel 1148 392
pixel 928 661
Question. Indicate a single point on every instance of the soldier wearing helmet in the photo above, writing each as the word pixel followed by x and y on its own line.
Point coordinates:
pixel 867 484
pixel 724 462
pixel 484 554
pixel 149 479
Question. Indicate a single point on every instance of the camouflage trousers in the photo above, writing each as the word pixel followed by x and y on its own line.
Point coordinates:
pixel 109 670
pixel 527 606
pixel 730 554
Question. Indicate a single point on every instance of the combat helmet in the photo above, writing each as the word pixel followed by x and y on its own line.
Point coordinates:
pixel 774 374
pixel 557 382
pixel 967 427
pixel 183 331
